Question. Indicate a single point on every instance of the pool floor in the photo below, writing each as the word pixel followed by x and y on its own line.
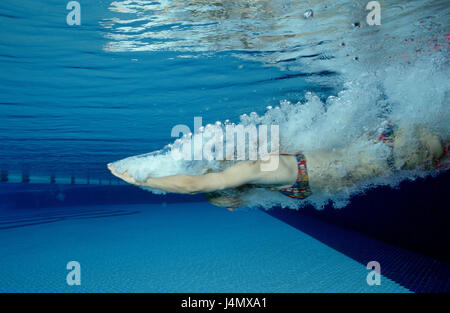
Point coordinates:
pixel 183 247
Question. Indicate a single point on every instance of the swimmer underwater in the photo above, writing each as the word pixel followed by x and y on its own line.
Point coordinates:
pixel 300 174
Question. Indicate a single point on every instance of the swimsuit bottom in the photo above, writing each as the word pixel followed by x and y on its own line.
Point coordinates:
pixel 299 190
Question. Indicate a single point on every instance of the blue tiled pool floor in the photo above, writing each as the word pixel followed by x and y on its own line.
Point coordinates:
pixel 184 247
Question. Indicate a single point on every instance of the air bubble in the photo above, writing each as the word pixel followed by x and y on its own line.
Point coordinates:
pixel 308 14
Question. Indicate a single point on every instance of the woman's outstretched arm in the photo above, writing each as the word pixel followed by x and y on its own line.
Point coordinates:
pixel 234 176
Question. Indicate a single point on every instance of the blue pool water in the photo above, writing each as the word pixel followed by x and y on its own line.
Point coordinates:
pixel 74 98
pixel 176 248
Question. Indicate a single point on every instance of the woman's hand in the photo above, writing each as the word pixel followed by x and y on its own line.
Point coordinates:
pixel 124 176
pixel 223 201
